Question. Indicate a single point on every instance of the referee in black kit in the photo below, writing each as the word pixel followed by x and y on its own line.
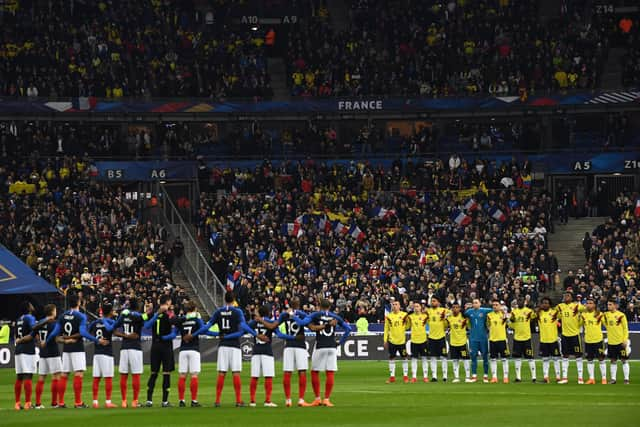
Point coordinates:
pixel 161 351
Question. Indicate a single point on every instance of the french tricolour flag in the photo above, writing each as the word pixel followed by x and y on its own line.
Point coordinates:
pixel 636 211
pixel 497 214
pixel 356 233
pixel 292 229
pixel 460 217
pixel 470 205
pixel 382 213
pixel 423 257
pixel 323 224
pixel 231 281
pixel 339 228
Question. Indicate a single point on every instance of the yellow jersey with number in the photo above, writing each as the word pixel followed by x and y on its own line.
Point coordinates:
pixel 617 327
pixel 592 322
pixel 570 318
pixel 497 326
pixel 457 330
pixel 417 324
pixel 520 322
pixel 548 326
pixel 437 319
pixel 395 327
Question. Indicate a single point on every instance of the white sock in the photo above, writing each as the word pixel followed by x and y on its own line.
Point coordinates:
pixel 456 368
pixel 532 368
pixel 545 367
pixel 603 369
pixel 565 367
pixel 518 368
pixel 405 367
pixel 414 368
pixel 434 367
pixel 591 369
pixel 579 366
pixel 425 368
pixel 108 401
pixel 494 368
pixel 505 368
pixel 614 370
pixel 445 367
pixel 95 402
pixel 392 368
pixel 625 370
pixel 556 366
pixel 467 368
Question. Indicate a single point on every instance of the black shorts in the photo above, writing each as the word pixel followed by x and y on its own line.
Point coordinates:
pixel 397 350
pixel 162 354
pixel 571 346
pixel 437 347
pixel 617 351
pixel 522 349
pixel 498 349
pixel 457 352
pixel 549 349
pixel 419 349
pixel 594 350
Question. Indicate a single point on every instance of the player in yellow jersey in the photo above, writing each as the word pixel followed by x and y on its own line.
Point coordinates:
pixel 548 326
pixel 592 320
pixel 437 319
pixel 458 325
pixel 569 312
pixel 417 321
pixel 395 340
pixel 497 324
pixel 617 340
pixel 520 322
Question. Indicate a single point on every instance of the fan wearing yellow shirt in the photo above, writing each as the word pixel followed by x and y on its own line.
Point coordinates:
pixel 458 350
pixel 417 321
pixel 593 340
pixel 497 323
pixel 395 341
pixel 520 322
pixel 548 326
pixel 617 340
pixel 437 319
pixel 569 311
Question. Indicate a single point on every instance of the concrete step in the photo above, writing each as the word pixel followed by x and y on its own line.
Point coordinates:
pixel 566 242
pixel 278 73
pixel 181 280
pixel 612 74
pixel 339 14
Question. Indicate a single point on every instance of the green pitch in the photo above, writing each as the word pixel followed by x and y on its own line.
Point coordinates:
pixel 361 398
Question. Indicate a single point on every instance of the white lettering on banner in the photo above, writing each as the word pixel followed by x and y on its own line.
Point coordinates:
pixel 360 105
pixel 115 173
pixel 158 173
pixel 5 356
pixel 361 349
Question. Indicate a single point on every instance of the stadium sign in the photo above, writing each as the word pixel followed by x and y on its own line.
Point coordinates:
pixel 373 105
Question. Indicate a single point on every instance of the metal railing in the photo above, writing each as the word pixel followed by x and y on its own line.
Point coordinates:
pixel 193 263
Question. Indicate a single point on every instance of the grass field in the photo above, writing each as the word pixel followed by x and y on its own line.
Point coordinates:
pixel 361 398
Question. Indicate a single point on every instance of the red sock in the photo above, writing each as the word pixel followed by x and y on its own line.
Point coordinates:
pixel 194 388
pixel 253 386
pixel 135 382
pixel 39 390
pixel 181 387
pixel 302 384
pixel 95 388
pixel 17 389
pixel 328 388
pixel 315 383
pixel 219 386
pixel 54 391
pixel 237 386
pixel 62 388
pixel 268 388
pixel 286 382
pixel 27 390
pixel 124 378
pixel 108 388
pixel 77 389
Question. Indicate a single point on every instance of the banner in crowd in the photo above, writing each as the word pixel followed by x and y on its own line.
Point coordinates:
pixel 357 347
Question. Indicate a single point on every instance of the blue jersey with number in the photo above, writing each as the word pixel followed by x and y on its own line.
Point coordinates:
pixel 326 337
pixel 187 325
pixel 131 323
pixel 51 349
pixel 292 328
pixel 102 328
pixel 259 346
pixel 24 327
pixel 71 322
pixel 229 320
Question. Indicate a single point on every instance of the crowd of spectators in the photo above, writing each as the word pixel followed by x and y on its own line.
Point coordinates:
pixel 612 260
pixel 121 48
pixel 85 237
pixel 403 241
pixel 456 47
pixel 631 58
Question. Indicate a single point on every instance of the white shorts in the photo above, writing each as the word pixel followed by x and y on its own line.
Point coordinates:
pixel 189 362
pixel 229 359
pixel 102 366
pixel 25 363
pixel 130 361
pixel 324 359
pixel 263 365
pixel 295 359
pixel 50 365
pixel 74 362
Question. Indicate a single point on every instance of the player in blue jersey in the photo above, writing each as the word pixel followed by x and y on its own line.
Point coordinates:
pixel 232 326
pixel 478 339
pixel 325 353
pixel 25 355
pixel 72 327
pixel 50 362
pixel 103 356
pixel 262 360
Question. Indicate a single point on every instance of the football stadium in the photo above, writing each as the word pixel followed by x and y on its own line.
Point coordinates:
pixel 319 212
